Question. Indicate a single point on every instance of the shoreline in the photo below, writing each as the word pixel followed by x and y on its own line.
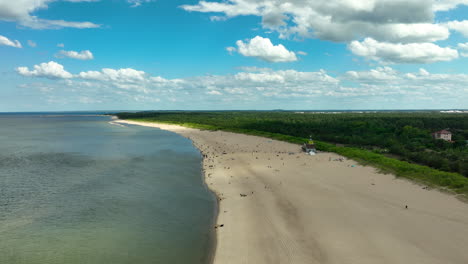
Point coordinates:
pixel 213 240
pixel 278 207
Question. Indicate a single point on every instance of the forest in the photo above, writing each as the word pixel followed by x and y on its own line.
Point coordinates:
pixel 404 136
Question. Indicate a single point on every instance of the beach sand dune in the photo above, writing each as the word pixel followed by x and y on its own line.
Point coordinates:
pixel 279 205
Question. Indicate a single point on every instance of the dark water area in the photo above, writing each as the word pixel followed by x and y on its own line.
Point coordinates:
pixel 77 189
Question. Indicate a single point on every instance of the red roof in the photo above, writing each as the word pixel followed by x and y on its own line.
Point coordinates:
pixel 443 132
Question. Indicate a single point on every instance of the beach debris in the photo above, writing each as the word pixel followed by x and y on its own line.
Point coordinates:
pixel 221 225
pixel 406 206
pixel 243 195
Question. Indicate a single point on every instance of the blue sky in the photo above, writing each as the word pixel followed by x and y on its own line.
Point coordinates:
pixel 234 54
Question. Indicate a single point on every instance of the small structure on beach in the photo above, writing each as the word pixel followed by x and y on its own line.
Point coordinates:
pixel 442 134
pixel 309 147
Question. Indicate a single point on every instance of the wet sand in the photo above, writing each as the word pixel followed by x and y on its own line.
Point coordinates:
pixel 279 205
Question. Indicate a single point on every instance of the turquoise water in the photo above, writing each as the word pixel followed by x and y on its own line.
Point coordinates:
pixel 76 189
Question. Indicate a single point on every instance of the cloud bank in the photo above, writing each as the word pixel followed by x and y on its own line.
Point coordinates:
pixel 252 86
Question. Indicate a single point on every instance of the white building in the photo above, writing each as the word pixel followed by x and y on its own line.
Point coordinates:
pixel 442 134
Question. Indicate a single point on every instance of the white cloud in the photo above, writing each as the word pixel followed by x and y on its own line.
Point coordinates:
pixel 379 74
pixel 254 69
pixel 423 72
pixel 253 87
pixel 218 18
pixel 20 12
pixel 82 55
pixel 214 92
pixel 127 75
pixel 231 50
pixel 446 5
pixel 400 21
pixel 263 49
pixel 386 81
pixel 32 43
pixel 463 46
pixel 136 3
pixel 407 33
pixel 60 45
pixel 464 49
pixel 7 42
pixel 460 26
pixel 402 53
pixel 51 70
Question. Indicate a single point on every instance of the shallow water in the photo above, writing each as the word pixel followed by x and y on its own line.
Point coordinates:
pixel 76 189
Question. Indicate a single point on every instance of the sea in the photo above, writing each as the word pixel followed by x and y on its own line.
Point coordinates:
pixel 77 188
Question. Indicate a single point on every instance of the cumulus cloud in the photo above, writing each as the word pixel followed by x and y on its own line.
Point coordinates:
pixel 20 12
pixel 82 55
pixel 460 26
pixel 60 45
pixel 402 53
pixel 400 21
pixel 7 42
pixel 263 49
pixel 50 70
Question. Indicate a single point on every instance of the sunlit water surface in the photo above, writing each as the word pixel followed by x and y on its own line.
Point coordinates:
pixel 76 189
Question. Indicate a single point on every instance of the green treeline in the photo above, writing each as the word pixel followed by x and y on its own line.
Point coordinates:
pixel 394 142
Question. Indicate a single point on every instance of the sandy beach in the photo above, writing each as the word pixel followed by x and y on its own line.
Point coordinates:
pixel 279 205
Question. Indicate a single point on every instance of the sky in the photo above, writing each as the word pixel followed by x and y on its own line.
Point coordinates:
pixel 70 55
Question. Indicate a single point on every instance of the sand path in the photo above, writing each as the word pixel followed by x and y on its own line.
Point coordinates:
pixel 278 205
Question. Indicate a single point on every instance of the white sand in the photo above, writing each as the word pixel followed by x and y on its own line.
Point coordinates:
pixel 307 209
